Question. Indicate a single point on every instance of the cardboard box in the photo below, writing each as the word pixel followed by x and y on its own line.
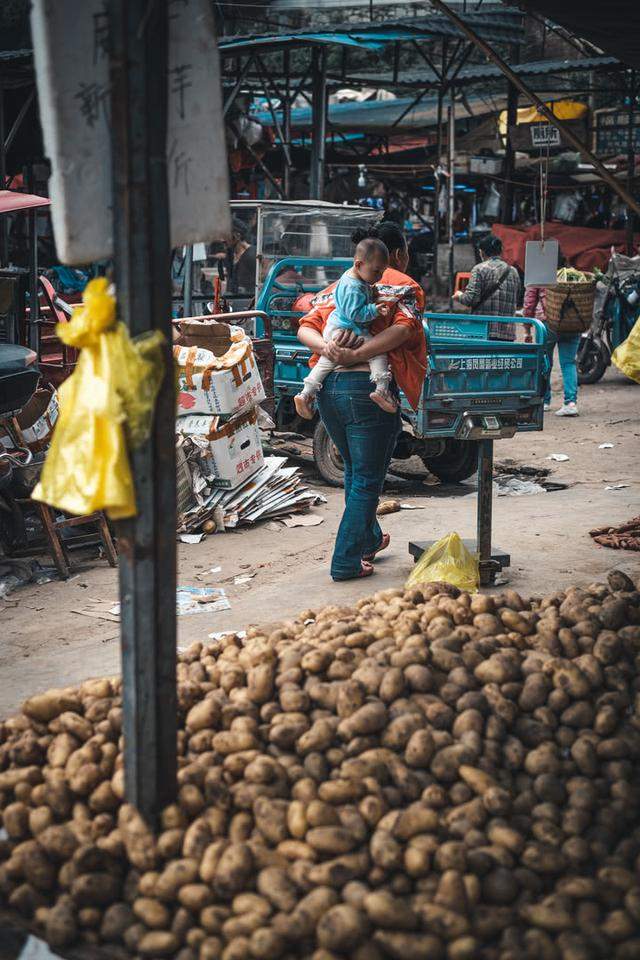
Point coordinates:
pixel 218 373
pixel 234 445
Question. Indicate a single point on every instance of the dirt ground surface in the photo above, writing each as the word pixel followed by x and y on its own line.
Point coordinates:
pixel 45 642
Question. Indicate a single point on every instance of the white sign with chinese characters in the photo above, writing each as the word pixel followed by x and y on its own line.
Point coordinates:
pixel 71 50
pixel 544 134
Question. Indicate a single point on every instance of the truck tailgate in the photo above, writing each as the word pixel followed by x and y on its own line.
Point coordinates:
pixel 478 387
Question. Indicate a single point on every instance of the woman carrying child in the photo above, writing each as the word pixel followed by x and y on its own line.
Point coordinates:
pixel 363 429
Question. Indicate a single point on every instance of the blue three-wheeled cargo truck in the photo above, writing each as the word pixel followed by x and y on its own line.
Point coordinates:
pixel 476 390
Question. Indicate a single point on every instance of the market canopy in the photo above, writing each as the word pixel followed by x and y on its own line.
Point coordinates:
pixel 12 202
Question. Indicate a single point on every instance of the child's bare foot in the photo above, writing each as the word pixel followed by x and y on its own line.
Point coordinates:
pixel 384 400
pixel 304 408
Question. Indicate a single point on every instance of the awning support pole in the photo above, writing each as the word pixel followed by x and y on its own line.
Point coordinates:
pixel 451 186
pixel 566 131
pixel 146 544
pixel 509 155
pixel 318 123
pixel 631 157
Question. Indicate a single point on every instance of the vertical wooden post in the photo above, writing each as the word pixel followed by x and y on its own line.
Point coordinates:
pixel 485 509
pixel 139 56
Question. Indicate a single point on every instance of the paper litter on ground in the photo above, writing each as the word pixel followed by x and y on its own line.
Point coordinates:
pixel 617 486
pixel 303 520
pixel 605 446
pixel 200 600
pixel 191 537
pixel 558 457
pixel 276 490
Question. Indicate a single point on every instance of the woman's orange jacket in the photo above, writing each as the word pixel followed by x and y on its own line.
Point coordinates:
pixel 409 361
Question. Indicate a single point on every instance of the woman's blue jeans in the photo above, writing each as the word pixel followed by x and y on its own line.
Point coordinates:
pixel 365 436
pixel 568 344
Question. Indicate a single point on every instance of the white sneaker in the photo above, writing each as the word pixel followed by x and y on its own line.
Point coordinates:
pixel 567 410
pixel 546 407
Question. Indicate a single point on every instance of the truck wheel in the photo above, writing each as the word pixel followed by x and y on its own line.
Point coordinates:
pixel 457 462
pixel 591 364
pixel 326 456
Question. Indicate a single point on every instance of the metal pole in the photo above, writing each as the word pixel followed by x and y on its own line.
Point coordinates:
pixel 142 266
pixel 631 158
pixel 4 223
pixel 187 292
pixel 436 193
pixel 451 187
pixel 485 507
pixel 286 122
pixel 566 131
pixel 34 311
pixel 318 124
pixel 509 155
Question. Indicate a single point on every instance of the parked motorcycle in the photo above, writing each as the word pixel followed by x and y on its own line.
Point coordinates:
pixel 19 376
pixel 616 311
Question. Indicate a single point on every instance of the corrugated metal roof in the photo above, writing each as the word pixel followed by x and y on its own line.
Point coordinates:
pixel 498 27
pixel 7 55
pixel 375 116
pixel 483 71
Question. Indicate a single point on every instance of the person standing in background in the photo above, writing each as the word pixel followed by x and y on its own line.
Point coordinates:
pixel 493 290
pixel 535 300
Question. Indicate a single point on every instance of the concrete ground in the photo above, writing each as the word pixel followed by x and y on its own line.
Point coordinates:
pixel 45 642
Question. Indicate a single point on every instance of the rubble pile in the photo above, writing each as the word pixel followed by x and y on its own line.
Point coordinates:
pixel 429 775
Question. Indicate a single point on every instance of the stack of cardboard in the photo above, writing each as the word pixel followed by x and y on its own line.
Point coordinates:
pixel 219 392
pixel 223 477
pixel 276 490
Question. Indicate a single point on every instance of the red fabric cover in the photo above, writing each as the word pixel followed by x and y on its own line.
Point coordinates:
pixel 582 247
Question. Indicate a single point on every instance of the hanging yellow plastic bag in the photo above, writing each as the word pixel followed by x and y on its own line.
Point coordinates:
pixel 106 406
pixel 447 560
pixel 627 356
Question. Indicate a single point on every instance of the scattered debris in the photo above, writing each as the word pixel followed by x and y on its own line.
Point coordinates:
pixel 412 506
pixel 388 506
pixel 558 457
pixel 238 581
pixel 626 536
pixel 99 613
pixel 617 486
pixel 514 487
pixel 303 520
pixel 200 600
pixel 605 446
pixel 191 537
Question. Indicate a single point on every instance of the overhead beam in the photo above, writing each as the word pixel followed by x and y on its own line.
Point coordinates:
pixel 566 131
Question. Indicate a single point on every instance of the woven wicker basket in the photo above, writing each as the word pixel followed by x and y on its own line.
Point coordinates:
pixel 569 307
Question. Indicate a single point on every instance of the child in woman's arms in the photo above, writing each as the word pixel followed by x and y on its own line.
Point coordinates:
pixel 355 310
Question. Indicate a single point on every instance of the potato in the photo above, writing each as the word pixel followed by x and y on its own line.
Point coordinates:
pixel 409 946
pixel 342 928
pixel 158 943
pixel 60 925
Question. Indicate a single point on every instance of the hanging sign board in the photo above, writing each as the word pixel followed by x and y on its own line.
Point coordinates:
pixel 71 51
pixel 540 263
pixel 544 134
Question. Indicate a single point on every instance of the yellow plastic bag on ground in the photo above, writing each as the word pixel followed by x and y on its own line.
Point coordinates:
pixel 106 405
pixel 447 560
pixel 627 356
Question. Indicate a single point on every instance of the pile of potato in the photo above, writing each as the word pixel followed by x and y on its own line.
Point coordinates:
pixel 428 776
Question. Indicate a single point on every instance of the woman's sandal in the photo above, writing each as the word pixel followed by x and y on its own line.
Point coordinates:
pixel 366 570
pixel 384 543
